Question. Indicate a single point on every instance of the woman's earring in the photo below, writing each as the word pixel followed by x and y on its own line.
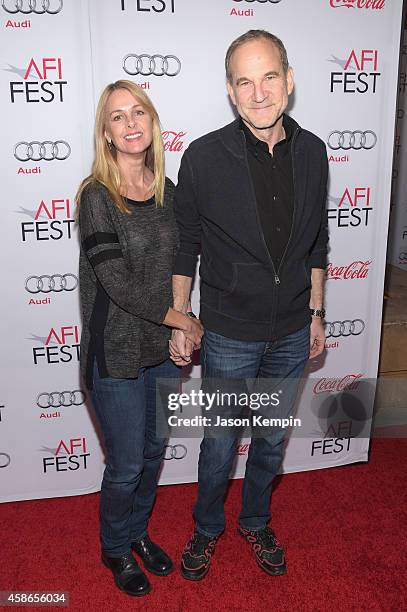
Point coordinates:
pixel 110 145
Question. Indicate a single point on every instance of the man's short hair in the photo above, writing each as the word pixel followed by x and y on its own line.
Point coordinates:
pixel 255 35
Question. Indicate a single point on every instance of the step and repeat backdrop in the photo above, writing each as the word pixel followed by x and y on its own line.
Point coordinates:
pixel 57 56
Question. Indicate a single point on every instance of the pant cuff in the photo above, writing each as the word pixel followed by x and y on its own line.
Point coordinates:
pixel 139 537
pixel 206 533
pixel 249 528
pixel 114 554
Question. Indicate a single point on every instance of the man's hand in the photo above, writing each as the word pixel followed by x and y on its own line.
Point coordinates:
pixel 181 348
pixel 317 337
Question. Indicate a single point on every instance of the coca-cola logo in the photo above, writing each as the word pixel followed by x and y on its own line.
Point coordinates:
pixel 356 270
pixel 367 4
pixel 330 385
pixel 173 142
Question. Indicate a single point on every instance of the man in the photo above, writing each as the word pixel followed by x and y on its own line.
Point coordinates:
pixel 251 199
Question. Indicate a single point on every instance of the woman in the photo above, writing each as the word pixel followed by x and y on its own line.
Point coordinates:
pixel 128 242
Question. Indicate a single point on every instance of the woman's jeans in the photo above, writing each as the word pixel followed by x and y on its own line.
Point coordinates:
pixel 126 410
pixel 224 358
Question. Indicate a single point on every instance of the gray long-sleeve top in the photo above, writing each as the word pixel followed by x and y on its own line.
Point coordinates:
pixel 125 270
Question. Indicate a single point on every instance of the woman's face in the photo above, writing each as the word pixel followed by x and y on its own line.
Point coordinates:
pixel 128 125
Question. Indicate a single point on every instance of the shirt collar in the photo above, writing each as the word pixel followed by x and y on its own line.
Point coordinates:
pixel 253 141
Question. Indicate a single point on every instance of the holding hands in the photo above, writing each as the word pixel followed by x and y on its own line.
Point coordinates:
pixel 186 335
pixel 184 342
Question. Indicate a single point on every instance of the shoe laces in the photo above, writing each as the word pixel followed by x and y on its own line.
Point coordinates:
pixel 128 561
pixel 267 538
pixel 200 543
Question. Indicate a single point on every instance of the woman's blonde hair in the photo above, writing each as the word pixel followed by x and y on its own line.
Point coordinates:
pixel 105 168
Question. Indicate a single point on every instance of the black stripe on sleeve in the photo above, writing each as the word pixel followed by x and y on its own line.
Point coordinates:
pixel 99 238
pixel 99 258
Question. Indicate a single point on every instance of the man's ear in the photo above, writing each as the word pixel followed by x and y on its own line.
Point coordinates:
pixel 231 91
pixel 290 80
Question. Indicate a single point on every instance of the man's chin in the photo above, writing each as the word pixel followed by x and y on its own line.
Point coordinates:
pixel 262 125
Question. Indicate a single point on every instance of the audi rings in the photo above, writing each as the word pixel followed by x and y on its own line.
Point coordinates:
pixel 356 140
pixel 4 460
pixel 52 7
pixel 55 283
pixel 178 451
pixel 37 151
pixel 336 329
pixel 259 1
pixel 57 399
pixel 148 65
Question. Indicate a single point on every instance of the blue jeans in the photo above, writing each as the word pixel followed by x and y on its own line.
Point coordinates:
pixel 225 358
pixel 126 410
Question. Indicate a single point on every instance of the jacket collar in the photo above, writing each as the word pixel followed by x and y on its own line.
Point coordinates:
pixel 232 136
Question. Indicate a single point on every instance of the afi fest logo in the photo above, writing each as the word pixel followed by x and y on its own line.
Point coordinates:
pixel 70 455
pixel 43 81
pixel 51 221
pixel 360 4
pixel 353 208
pixel 149 6
pixel 359 72
pixel 61 345
pixel 355 271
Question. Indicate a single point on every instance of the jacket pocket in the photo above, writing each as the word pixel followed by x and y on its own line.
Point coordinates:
pixel 250 295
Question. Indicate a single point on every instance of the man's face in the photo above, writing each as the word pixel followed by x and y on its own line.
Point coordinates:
pixel 259 87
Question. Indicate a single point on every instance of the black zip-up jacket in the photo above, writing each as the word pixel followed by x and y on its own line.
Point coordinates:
pixel 243 296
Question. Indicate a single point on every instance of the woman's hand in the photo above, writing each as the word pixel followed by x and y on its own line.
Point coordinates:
pixel 186 337
pixel 194 332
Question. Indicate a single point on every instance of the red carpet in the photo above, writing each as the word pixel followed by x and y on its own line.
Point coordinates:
pixel 344 530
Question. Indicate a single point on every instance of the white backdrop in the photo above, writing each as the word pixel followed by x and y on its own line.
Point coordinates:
pixel 56 58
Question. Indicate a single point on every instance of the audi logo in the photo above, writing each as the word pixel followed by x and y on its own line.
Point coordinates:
pixel 344 328
pixel 31 6
pixel 356 140
pixel 47 150
pixel 57 399
pixel 403 256
pixel 178 451
pixel 4 460
pixel 55 283
pixel 147 65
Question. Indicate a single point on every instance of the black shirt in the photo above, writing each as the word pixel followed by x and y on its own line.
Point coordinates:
pixel 272 177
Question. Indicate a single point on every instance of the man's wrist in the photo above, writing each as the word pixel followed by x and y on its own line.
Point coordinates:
pixel 318 312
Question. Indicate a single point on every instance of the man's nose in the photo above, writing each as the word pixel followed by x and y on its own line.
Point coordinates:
pixel 259 93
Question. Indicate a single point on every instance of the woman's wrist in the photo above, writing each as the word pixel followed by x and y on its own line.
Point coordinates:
pixel 178 320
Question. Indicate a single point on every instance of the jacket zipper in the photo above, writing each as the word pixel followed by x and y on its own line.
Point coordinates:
pixel 277 277
pixel 277 280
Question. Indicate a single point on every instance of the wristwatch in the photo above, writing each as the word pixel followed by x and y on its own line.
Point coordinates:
pixel 318 312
